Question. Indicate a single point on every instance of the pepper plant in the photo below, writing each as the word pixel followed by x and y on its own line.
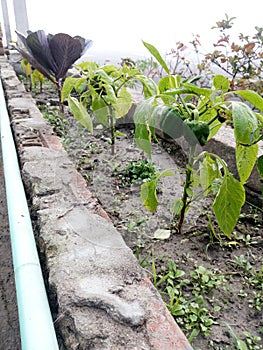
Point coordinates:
pixel 182 109
pixel 102 93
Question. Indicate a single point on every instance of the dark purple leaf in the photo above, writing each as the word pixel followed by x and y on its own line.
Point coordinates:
pixel 85 43
pixel 23 40
pixel 65 51
pixel 39 46
pixel 51 54
pixel 34 63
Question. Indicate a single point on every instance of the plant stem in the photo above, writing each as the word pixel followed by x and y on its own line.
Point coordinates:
pixel 112 131
pixel 59 87
pixel 187 184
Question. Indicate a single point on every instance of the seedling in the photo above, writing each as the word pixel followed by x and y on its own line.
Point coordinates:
pixel 205 280
pixel 136 172
pixel 103 94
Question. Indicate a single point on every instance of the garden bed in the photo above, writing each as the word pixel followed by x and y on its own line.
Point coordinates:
pixel 212 285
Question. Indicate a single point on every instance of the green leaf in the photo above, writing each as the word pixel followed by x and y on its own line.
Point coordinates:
pixel 209 171
pixel 81 85
pixel 148 195
pixel 88 66
pixel 252 97
pixel 148 191
pixel 221 83
pixel 100 110
pixel 80 113
pixel 110 96
pixel 157 56
pixel 245 123
pixel 124 103
pixel 260 166
pixel 245 159
pixel 178 206
pixel 68 86
pixel 166 83
pixel 214 126
pixel 142 135
pixel 149 87
pixel 197 90
pixel 228 203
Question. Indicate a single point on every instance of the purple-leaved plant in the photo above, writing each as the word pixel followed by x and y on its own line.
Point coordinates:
pixel 52 55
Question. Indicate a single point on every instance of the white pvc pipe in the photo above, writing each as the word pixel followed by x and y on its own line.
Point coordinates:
pixel 36 325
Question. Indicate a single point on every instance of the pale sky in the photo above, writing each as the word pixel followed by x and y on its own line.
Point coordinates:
pixel 119 25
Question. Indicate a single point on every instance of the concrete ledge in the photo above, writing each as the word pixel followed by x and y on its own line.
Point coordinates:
pixel 100 297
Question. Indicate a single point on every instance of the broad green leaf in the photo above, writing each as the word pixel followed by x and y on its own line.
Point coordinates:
pixel 148 191
pixel 68 86
pixel 37 77
pixel 110 69
pixel 197 90
pixel 245 123
pixel 260 166
pixel 124 103
pixel 81 84
pixel 28 68
pixel 221 83
pixel 228 203
pixel 103 76
pixel 88 66
pixel 142 135
pixel 246 157
pixel 149 87
pixel 100 110
pixel 178 206
pixel 157 56
pixel 214 126
pixel 149 196
pixel 208 173
pixel 252 97
pixel 80 113
pixel 166 83
pixel 110 96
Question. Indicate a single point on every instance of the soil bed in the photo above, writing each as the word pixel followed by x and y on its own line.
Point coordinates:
pixel 213 287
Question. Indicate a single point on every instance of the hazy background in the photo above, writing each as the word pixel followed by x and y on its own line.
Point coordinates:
pixel 118 26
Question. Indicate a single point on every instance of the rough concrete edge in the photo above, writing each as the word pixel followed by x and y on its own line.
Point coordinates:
pixel 161 321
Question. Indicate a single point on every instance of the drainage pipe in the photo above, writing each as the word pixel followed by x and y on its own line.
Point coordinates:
pixel 35 321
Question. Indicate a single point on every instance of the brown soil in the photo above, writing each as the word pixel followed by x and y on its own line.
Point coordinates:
pixel 234 299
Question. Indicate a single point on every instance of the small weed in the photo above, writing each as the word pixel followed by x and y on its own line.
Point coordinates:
pixel 193 316
pixel 57 122
pixel 252 277
pixel 136 172
pixel 249 343
pixel 185 297
pixel 204 280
